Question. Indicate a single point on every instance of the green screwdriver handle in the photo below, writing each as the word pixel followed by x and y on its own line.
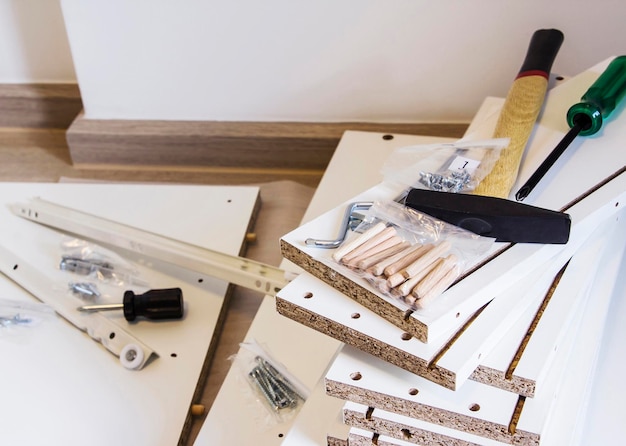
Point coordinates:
pixel 600 100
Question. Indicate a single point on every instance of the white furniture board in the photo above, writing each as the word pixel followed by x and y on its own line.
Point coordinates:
pixel 601 422
pixel 600 418
pixel 61 387
pixel 400 426
pixel 321 307
pixel 411 430
pixel 378 384
pixel 361 155
pixel 361 437
pixel 541 342
pixel 303 351
pixel 608 159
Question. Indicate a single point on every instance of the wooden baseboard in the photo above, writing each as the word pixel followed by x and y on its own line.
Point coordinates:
pixel 39 105
pixel 218 144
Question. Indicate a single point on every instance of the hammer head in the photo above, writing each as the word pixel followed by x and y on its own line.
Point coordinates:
pixel 504 220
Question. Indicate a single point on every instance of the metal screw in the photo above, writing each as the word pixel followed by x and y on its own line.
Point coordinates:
pixel 454 182
pixel 84 290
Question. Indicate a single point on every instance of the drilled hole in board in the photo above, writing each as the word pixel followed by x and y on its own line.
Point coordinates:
pixel 407 315
pixel 200 280
pixel 474 407
pixel 229 201
pixel 281 435
pixel 14 267
pixel 387 137
pixel 112 335
pixel 308 295
pixel 617 204
pixel 406 434
pixel 559 78
pixel 413 391
pixel 174 355
pixel 355 376
pixel 406 336
pixel 355 315
pixel 458 315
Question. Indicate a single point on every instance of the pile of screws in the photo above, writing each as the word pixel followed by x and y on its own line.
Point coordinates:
pixel 278 392
pixel 456 181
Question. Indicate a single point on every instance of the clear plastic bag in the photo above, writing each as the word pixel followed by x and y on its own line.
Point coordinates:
pixel 269 385
pixel 91 262
pixel 448 167
pixel 18 317
pixel 408 255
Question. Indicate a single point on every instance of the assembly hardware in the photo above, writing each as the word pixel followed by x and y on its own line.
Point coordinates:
pixel 97 326
pixel 453 182
pixel 17 319
pixel 237 270
pixel 153 304
pixel 85 267
pixel 276 389
pixel 349 219
pixel 84 290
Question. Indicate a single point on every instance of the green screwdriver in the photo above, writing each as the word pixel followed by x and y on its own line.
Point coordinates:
pixel 586 117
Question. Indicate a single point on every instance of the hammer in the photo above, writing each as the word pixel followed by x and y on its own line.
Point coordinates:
pixel 487 212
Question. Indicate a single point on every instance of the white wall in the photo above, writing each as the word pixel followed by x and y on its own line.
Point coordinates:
pixel 306 60
pixel 33 43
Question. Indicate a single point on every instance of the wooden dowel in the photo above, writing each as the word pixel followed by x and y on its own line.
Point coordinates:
pixel 407 260
pixel 379 238
pixel 405 288
pixel 383 246
pixel 395 279
pixel 414 268
pixel 358 241
pixel 433 277
pixel 378 268
pixel 443 284
pixel 371 260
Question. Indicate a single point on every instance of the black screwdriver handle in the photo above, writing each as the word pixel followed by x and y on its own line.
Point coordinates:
pixel 164 303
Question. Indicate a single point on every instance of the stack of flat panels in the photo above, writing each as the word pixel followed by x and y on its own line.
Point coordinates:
pixel 504 355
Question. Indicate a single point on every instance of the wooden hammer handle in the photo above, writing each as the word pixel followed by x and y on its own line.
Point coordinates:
pixel 519 113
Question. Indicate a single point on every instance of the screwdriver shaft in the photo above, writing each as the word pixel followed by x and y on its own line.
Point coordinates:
pixel 545 166
pixel 101 307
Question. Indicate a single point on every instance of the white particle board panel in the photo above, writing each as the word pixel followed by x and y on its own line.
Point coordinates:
pixel 78 386
pixel 319 420
pixel 321 307
pixel 406 429
pixel 559 316
pixel 305 352
pixel 601 161
pixel 234 417
pixel 362 437
pixel 471 292
pixel 357 377
pixel 600 419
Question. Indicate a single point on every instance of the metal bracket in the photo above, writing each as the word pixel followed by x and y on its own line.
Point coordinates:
pixel 350 221
pixel 237 270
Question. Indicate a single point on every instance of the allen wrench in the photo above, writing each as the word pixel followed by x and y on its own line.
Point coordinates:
pixel 350 221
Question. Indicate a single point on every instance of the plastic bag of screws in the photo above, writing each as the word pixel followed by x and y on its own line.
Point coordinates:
pixel 88 260
pixel 446 167
pixel 407 255
pixel 269 384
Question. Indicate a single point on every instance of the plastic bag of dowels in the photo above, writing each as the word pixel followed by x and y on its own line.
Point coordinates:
pixel 445 167
pixel 408 255
pixel 269 386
